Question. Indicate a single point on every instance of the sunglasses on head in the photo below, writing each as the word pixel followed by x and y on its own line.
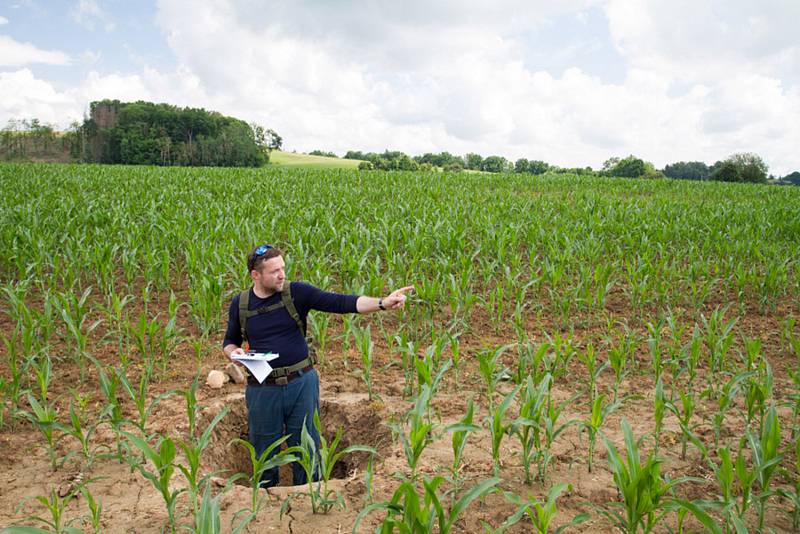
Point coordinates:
pixel 260 251
pixel 257 253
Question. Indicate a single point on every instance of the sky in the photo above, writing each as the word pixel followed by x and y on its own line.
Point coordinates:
pixel 570 82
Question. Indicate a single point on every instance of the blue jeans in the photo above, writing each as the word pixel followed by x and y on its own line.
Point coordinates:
pixel 274 411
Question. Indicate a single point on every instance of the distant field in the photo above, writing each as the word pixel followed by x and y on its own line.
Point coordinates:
pixel 291 159
pixel 664 315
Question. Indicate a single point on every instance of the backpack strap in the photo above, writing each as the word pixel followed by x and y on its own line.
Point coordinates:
pixel 286 299
pixel 285 302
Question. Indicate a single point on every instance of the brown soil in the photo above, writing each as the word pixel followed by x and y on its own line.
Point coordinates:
pixel 131 504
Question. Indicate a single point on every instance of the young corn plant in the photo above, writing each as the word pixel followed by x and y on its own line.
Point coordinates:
pixel 793 494
pixel 594 423
pixel 541 514
pixel 45 419
pixel 766 457
pixel 408 356
pixel 455 357
pixel 529 423
pixel 499 427
pixel 193 448
pixel 551 430
pixel 261 463
pixel 593 369
pixel 112 412
pixel 318 327
pixel 363 337
pixel 460 431
pixel 162 458
pixel 419 430
pixel 659 410
pixel 74 312
pixel 95 509
pixel 431 368
pixel 618 357
pixel 490 371
pixel 725 399
pixel 684 415
pixel 730 482
pixel 83 435
pixel 654 343
pixel 646 495
pixel 408 513
pixel 13 391
pixel 758 393
pixel 718 338
pixel 138 395
pixel 318 466
pixel 55 505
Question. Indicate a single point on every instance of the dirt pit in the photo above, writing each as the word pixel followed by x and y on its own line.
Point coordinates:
pixel 354 414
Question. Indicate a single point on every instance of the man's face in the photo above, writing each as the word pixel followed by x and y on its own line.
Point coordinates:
pixel 270 274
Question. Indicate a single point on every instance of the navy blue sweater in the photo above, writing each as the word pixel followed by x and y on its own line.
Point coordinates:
pixel 276 331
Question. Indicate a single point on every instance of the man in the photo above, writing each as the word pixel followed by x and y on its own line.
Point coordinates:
pixel 272 322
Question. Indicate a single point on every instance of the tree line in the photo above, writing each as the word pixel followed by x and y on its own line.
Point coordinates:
pixel 740 167
pixel 143 133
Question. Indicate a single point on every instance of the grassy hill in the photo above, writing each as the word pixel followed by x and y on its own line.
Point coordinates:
pixel 291 159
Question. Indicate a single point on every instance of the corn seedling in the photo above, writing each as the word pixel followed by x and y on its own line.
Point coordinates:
pixel 529 423
pixel 74 312
pixel 491 373
pixel 659 409
pixel 13 390
pixel 765 458
pixel 541 514
pixel 83 435
pixel 499 427
pixel 406 512
pixel 725 399
pixel 684 415
pixel 261 463
pixel 594 423
pixel 363 337
pixel 646 496
pixel 593 369
pixel 194 446
pixel 138 395
pixel 418 432
pixel 318 465
pixel 460 431
pixel 44 418
pixel 162 458
pixel 55 505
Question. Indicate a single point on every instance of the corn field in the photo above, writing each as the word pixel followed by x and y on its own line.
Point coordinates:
pixel 580 353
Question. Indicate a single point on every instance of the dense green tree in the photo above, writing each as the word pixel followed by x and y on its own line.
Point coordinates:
pixel 161 134
pixel 474 161
pixel 630 167
pixel 793 178
pixel 323 153
pixel 726 171
pixel 741 167
pixel 521 165
pixel 687 170
pixel 495 164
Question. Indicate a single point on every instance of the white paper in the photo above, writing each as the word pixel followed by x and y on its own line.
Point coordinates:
pixel 257 363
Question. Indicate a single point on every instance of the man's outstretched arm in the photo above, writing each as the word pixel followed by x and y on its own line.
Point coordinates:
pixel 393 301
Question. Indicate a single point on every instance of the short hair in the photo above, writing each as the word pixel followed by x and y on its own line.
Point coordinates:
pixel 255 260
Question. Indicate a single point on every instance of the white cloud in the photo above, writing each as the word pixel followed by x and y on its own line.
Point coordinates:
pixel 87 13
pixel 22 95
pixel 3 21
pixel 458 76
pixel 452 76
pixel 16 54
